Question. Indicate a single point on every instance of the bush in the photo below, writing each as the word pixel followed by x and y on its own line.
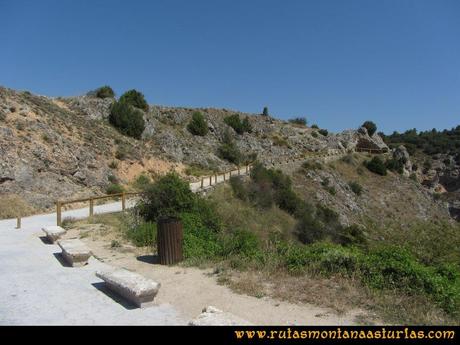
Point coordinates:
pixel 167 197
pixel 370 126
pixel 323 132
pixel 143 235
pixel 394 165
pixel 352 235
pixel 229 151
pixel 198 125
pixel 135 99
pixel 315 126
pixel 376 165
pixel 265 111
pixel 299 121
pixel 114 188
pixel 238 188
pixel 355 188
pixel 239 126
pixel 142 181
pixel 314 134
pixel 127 120
pixel 105 92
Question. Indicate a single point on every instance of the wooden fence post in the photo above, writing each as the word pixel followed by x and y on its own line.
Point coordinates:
pixel 210 180
pixel 202 180
pixel 58 213
pixel 91 207
pixel 18 222
pixel 123 201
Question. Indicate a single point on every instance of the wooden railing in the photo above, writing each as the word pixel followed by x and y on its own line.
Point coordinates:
pixel 91 200
pixel 245 169
pixel 238 172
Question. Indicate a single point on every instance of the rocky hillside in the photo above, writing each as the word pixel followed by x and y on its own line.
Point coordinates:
pixel 435 162
pixel 61 148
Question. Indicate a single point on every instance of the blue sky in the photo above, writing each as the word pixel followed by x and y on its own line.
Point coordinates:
pixel 338 63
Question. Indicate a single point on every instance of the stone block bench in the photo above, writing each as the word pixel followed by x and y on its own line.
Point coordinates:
pixel 53 233
pixel 75 252
pixel 132 286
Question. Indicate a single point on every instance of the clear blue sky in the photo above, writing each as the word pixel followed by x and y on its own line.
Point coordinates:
pixel 336 62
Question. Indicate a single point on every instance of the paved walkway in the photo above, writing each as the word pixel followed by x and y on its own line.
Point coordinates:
pixel 36 288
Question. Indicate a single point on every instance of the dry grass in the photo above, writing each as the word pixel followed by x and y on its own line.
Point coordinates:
pixel 12 205
pixel 235 213
pixel 341 294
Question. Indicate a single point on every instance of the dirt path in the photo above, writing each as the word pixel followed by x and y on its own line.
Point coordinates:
pixel 189 290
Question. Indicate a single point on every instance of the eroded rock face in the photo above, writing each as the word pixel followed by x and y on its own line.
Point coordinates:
pixel 401 155
pixel 360 139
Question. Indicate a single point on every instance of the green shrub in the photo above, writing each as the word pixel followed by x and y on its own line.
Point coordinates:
pixel 198 125
pixel 370 126
pixel 314 134
pixel 241 243
pixel 239 126
pixel 315 126
pixel 302 121
pixel 105 92
pixel 229 151
pixel 355 187
pixel 143 234
pixel 167 197
pixel 113 165
pixel 142 181
pixel 376 165
pixel 265 111
pixel 200 242
pixel 239 188
pixel 323 132
pixel 114 188
pixel 394 165
pixel 112 179
pixel 127 119
pixel 115 244
pixel 135 99
pixel 352 235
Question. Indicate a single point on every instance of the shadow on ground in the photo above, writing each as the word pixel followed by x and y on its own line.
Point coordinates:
pixel 149 259
pixel 114 296
pixel 61 260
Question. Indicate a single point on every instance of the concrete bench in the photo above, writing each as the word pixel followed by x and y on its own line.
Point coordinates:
pixel 75 252
pixel 53 233
pixel 132 286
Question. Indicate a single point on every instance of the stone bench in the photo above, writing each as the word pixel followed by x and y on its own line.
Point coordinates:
pixel 53 233
pixel 75 252
pixel 132 286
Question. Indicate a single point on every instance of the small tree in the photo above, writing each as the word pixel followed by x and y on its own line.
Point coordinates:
pixel 265 111
pixel 167 197
pixel 198 125
pixel 228 150
pixel 376 165
pixel 239 126
pixel 370 126
pixel 135 99
pixel 105 92
pixel 299 121
pixel 127 120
